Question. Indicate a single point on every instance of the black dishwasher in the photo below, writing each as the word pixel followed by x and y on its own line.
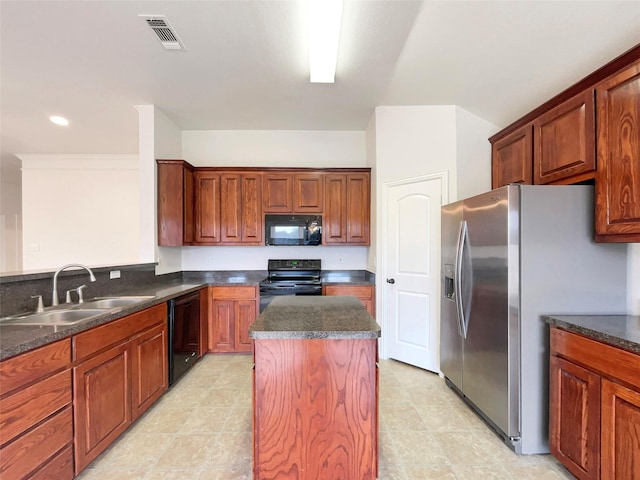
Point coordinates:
pixel 184 334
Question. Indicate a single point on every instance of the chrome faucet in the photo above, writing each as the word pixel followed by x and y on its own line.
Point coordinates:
pixel 54 294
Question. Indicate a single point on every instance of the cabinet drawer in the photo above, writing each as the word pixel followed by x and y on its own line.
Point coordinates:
pixel 29 452
pixel 360 291
pixel 33 404
pixel 596 356
pixel 234 293
pixel 60 467
pixel 28 367
pixel 97 339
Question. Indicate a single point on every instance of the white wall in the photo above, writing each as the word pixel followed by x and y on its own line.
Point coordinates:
pixel 371 162
pixel 10 215
pixel 274 148
pixel 473 154
pixel 159 138
pixel 79 208
pixel 633 279
pixel 259 148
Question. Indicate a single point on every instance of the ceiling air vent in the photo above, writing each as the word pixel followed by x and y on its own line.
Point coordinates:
pixel 164 31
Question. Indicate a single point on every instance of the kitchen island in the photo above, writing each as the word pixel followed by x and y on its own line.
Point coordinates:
pixel 315 390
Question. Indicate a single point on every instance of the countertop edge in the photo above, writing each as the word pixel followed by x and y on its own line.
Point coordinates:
pixel 571 324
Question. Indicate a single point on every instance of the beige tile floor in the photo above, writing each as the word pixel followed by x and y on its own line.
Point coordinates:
pixel 201 430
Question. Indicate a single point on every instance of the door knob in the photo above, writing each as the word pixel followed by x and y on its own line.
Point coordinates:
pixel 391 280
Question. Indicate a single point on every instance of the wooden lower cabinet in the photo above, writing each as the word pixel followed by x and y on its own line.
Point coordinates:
pixel 115 386
pixel 36 430
pixel 574 430
pixel 594 410
pixel 233 310
pixel 364 293
pixel 620 431
pixel 149 372
pixel 102 402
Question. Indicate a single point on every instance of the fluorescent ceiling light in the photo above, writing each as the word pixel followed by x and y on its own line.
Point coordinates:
pixel 58 120
pixel 324 18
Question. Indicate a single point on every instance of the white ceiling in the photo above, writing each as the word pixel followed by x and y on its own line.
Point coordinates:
pixel 245 66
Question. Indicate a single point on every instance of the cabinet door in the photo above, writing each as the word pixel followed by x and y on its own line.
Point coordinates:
pixel 189 207
pixel 565 141
pixel 252 221
pixel 308 192
pixel 230 208
pixel 574 418
pixel 357 208
pixel 221 332
pixel 102 403
pixel 620 432
pixel 207 208
pixel 149 374
pixel 511 158
pixel 618 176
pixel 245 315
pixel 334 228
pixel 278 193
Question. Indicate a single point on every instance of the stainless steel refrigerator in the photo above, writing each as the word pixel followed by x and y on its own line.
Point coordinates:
pixel 510 256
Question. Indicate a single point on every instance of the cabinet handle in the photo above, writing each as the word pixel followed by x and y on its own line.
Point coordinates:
pixel 391 280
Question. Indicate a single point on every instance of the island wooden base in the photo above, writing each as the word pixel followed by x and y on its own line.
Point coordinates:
pixel 315 409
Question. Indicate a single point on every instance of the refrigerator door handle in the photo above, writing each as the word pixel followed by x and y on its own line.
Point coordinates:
pixel 463 319
pixel 462 233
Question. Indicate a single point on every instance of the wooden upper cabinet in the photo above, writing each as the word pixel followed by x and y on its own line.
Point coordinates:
pixel 564 141
pixel 618 176
pixel 207 208
pixel 241 209
pixel 175 203
pixel 278 193
pixel 308 192
pixel 289 192
pixel 512 158
pixel 346 209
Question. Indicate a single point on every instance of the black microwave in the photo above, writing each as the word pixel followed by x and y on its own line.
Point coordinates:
pixel 293 229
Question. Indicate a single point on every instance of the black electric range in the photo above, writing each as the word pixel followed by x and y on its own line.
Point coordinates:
pixel 290 277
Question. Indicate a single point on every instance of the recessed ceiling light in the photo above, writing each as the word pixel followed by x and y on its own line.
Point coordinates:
pixel 58 120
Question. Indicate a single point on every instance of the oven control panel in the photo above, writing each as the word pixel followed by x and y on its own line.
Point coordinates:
pixel 304 264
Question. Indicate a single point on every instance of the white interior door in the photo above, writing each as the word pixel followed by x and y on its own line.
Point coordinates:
pixel 412 291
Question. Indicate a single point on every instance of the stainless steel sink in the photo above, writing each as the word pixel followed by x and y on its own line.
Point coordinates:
pixel 56 317
pixel 113 302
pixel 74 314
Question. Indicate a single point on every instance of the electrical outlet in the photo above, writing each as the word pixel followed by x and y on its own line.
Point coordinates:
pixel 114 274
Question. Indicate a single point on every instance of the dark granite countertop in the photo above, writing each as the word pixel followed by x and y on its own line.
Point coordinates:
pixel 351 277
pixel 290 317
pixel 622 331
pixel 16 339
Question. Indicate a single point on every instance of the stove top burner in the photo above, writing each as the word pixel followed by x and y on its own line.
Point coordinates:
pixel 292 277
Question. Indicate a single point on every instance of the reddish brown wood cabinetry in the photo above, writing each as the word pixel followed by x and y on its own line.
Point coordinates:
pixel 346 209
pixel 618 177
pixel 512 158
pixel 241 218
pixel 289 192
pixel 315 408
pixel 233 310
pixel 207 208
pixel 564 141
pixel 594 410
pixel 36 430
pixel 364 293
pixel 574 138
pixel 176 198
pixel 121 371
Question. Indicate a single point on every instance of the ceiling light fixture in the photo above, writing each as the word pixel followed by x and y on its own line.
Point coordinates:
pixel 58 120
pixel 324 18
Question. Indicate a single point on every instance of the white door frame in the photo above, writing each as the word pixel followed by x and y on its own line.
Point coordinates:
pixel 383 224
